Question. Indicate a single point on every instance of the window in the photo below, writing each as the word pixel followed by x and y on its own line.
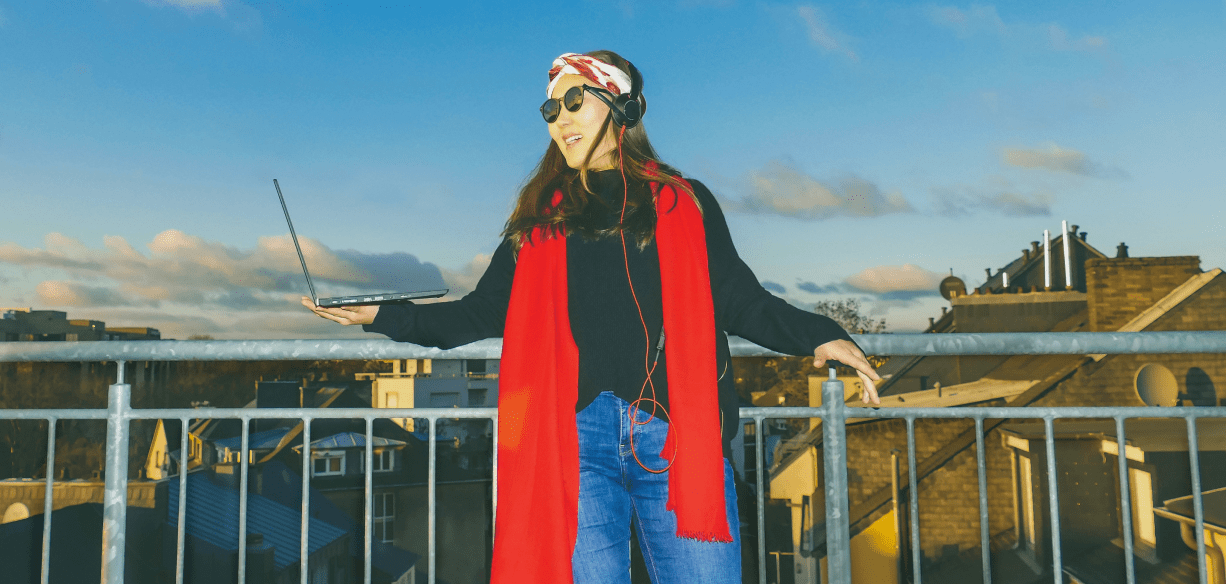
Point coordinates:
pixel 475 366
pixel 392 400
pixel 327 463
pixel 476 397
pixel 384 517
pixel 383 460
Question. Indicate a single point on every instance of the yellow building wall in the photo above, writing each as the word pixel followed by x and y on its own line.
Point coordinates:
pixel 396 392
pixel 852 387
pixel 874 554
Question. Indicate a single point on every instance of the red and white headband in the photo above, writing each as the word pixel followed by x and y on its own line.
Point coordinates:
pixel 595 70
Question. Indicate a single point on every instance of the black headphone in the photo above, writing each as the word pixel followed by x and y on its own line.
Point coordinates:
pixel 627 109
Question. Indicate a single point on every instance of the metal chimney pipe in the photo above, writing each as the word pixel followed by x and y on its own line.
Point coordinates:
pixel 1004 276
pixel 1068 261
pixel 1046 259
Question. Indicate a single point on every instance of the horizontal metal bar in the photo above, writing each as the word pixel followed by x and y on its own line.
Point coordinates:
pixel 1124 412
pixel 66 414
pixel 1029 412
pixel 1147 343
pixel 373 349
pixel 257 413
pixel 251 350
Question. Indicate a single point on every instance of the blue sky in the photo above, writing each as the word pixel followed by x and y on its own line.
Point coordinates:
pixel 859 149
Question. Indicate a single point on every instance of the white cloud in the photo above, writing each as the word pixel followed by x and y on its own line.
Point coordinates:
pixel 706 3
pixel 241 17
pixel 464 280
pixel 182 277
pixel 191 5
pixel 59 293
pixel 883 280
pixel 1057 159
pixel 780 189
pixel 1005 200
pixel 822 34
pixel 974 20
pixel 981 19
pixel 1060 40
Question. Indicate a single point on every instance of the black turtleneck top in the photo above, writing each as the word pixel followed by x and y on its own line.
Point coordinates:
pixel 614 352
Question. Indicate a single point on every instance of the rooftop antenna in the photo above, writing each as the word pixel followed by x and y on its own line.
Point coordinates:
pixel 1046 259
pixel 1068 261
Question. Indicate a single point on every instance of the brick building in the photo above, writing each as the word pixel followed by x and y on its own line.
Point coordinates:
pixel 1089 292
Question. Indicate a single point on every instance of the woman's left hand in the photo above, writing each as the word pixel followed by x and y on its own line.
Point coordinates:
pixel 847 353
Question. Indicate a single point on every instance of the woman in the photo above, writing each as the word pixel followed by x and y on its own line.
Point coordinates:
pixel 603 424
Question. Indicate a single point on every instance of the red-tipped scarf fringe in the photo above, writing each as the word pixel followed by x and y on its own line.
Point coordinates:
pixel 538 445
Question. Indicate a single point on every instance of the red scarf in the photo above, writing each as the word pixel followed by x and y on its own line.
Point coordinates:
pixel 538 444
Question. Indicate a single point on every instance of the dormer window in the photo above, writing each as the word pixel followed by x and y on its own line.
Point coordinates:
pixel 327 463
pixel 383 461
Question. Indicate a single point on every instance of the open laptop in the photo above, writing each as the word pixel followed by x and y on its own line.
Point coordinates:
pixel 360 300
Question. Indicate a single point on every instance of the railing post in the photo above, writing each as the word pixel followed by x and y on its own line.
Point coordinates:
pixel 834 451
pixel 115 491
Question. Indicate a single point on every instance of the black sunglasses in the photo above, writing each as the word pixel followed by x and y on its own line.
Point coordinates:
pixel 572 100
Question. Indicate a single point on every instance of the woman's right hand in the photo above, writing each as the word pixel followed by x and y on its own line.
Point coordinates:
pixel 344 315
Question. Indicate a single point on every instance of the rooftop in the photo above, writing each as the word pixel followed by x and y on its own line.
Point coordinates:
pixel 212 515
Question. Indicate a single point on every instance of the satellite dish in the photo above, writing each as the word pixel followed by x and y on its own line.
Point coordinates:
pixel 1156 386
pixel 16 512
pixel 952 286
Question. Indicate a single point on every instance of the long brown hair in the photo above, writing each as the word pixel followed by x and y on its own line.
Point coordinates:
pixel 635 153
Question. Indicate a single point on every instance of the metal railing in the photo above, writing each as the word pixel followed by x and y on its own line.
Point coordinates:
pixel 833 414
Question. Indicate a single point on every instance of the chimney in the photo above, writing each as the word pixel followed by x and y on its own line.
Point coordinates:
pixel 989 272
pixel 276 394
pixel 226 474
pixel 1082 235
pixel 1046 259
pixel 1034 248
pixel 1068 260
pixel 931 323
pixel 1118 289
pixel 261 568
pixel 1121 250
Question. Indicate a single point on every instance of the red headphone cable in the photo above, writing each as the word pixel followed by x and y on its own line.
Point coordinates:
pixel 650 369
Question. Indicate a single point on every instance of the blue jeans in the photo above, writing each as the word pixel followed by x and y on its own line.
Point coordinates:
pixel 613 487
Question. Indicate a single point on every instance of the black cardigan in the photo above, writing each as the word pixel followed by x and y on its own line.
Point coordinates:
pixel 614 352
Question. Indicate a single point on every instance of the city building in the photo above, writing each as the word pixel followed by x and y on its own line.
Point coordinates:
pixel 439 383
pixel 77 528
pixel 1040 291
pixel 337 465
pixel 273 535
pixel 27 324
